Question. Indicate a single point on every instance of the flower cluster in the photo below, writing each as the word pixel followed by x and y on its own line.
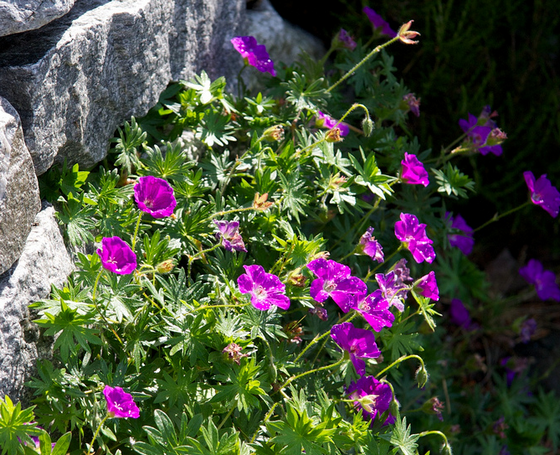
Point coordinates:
pixel 544 280
pixel 254 54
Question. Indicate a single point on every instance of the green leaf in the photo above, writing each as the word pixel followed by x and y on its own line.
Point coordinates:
pixel 427 309
pixel 15 426
pixel 402 438
pixel 453 182
pixel 128 143
pixel 62 444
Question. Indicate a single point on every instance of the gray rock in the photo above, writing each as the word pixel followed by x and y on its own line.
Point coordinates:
pixel 76 79
pixel 18 16
pixel 44 261
pixel 19 191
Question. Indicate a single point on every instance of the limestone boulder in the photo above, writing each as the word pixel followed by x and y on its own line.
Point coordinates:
pixel 19 191
pixel 18 16
pixel 77 78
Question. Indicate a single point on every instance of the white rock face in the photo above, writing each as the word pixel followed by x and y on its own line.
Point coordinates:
pixel 76 79
pixel 19 191
pixel 18 16
pixel 44 261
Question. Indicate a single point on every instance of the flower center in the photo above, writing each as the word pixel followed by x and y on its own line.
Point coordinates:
pixel 149 203
pixel 259 292
pixel 329 286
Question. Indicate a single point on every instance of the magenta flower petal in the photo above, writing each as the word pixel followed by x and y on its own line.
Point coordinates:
pixel 464 239
pixel 229 233
pixel 413 103
pixel 378 22
pixel 375 310
pixel 375 396
pixel 334 280
pixel 359 343
pixel 266 289
pixel 459 315
pixel 427 286
pixel 154 196
pixel 255 54
pixel 413 235
pixel 413 171
pixel 116 256
pixel 544 280
pixel 120 404
pixel 346 40
pixel 543 193
pixel 371 247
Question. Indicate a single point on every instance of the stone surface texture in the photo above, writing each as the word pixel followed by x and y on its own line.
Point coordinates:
pixel 76 79
pixel 19 191
pixel 44 261
pixel 18 16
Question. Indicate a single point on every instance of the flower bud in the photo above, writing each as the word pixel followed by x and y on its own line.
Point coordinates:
pixel 421 376
pixel 367 126
pixel 394 407
pixel 165 266
pixel 446 449
pixel 274 133
pixel 406 35
pixel 296 278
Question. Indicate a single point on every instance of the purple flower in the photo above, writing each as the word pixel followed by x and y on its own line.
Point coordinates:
pixel 413 103
pixel 393 289
pixel 413 236
pixel 375 310
pixel 427 286
pixel 265 288
pixel 154 196
pixel 372 396
pixel 379 22
pixel 326 121
pixel 527 330
pixel 483 133
pixel 345 40
pixel 116 256
pixel 334 280
pixel 255 54
pixel 359 343
pixel 371 247
pixel 459 315
pixel 229 233
pixel 543 193
pixel 413 171
pixel 544 280
pixel 463 241
pixel 119 403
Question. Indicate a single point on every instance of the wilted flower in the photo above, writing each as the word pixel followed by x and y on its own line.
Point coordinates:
pixel 119 403
pixel 499 427
pixel 413 171
pixel 371 247
pixel 393 289
pixel 544 280
pixel 116 256
pixel 406 35
pixel 372 396
pixel 333 135
pixel 326 121
pixel 154 196
pixel 343 39
pixel 266 289
pixel 260 202
pixel 334 280
pixel 255 54
pixel 379 23
pixel 359 343
pixel 274 133
pixel 463 241
pixel 321 312
pixel 229 233
pixel 233 352
pixel 413 103
pixel 483 133
pixel 427 286
pixel 375 310
pixel 413 235
pixel 543 193
pixel 433 406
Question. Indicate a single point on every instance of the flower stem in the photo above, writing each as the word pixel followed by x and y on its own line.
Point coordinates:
pixel 364 60
pixel 266 417
pixel 230 412
pixel 496 217
pixel 136 230
pixel 90 449
pixel 399 360
pixel 439 433
pixel 315 370
pixel 93 294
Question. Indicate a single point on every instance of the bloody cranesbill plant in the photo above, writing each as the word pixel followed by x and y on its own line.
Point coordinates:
pixel 120 404
pixel 413 236
pixel 228 232
pixel 117 256
pixel 253 53
pixel 265 288
pixel 543 193
pixel 359 343
pixel 412 171
pixel 370 246
pixel 154 196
